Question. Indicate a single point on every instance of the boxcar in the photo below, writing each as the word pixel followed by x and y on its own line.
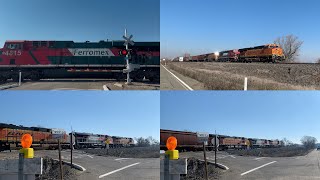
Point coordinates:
pixel 186 140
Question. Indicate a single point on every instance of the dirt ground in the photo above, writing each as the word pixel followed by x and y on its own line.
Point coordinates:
pixel 261 76
pixel 51 170
pixel 196 170
pixel 272 152
pixel 133 152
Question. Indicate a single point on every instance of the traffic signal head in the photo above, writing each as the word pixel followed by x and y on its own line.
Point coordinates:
pixel 123 52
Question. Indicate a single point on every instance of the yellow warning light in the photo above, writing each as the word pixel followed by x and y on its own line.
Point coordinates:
pixel 171 145
pixel 26 141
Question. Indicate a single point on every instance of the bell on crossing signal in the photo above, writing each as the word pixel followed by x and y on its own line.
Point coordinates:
pixel 123 52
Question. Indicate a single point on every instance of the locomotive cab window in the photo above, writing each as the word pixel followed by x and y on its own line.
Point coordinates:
pixel 43 43
pixel 14 46
pixel 35 44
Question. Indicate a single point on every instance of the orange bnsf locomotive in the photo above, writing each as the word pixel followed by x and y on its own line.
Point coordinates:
pixel 10 137
pixel 265 53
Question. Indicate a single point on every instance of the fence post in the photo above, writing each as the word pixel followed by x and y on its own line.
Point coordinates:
pixel 20 165
pixel 245 83
pixel 20 78
pixel 205 160
pixel 215 149
pixel 71 148
pixel 61 173
pixel 166 167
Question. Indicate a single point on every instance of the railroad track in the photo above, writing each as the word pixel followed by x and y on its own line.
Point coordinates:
pixel 257 62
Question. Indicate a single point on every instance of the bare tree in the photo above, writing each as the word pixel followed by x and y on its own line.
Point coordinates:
pixel 309 142
pixel 146 142
pixel 287 142
pixel 153 141
pixel 290 45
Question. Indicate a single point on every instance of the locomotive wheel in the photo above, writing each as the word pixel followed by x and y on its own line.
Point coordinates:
pixel 3 79
pixel 138 77
pixel 35 77
pixel 15 77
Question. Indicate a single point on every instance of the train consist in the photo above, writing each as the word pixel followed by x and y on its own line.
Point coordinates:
pixel 265 53
pixel 87 140
pixel 55 59
pixel 46 138
pixel 190 141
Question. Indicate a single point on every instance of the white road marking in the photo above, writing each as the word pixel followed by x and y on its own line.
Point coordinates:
pixel 74 89
pixel 225 167
pixel 90 156
pixel 107 174
pixel 259 158
pixel 74 164
pixel 257 168
pixel 105 88
pixel 121 159
pixel 232 156
pixel 179 80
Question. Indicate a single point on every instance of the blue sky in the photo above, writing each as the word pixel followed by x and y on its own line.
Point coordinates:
pixel 255 114
pixel 122 113
pixel 211 25
pixel 79 20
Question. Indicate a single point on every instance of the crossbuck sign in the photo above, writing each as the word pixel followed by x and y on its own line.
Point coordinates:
pixel 128 40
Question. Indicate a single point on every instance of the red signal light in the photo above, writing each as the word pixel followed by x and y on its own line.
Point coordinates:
pixel 123 52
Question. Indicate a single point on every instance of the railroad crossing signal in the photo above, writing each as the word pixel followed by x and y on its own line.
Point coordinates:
pixel 128 40
pixel 123 52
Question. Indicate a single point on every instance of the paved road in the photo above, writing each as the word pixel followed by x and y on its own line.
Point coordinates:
pixel 169 81
pixel 99 167
pixel 284 168
pixel 83 84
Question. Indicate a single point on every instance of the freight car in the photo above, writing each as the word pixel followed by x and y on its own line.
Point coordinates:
pixel 56 59
pixel 203 58
pixel 186 140
pixel 10 136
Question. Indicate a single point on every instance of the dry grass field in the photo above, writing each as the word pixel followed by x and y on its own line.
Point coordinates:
pixel 261 76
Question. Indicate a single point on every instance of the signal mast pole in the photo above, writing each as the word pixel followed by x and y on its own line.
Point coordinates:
pixel 127 60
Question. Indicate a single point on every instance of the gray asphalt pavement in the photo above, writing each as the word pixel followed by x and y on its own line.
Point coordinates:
pixel 83 84
pixel 169 81
pixel 99 167
pixel 259 168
